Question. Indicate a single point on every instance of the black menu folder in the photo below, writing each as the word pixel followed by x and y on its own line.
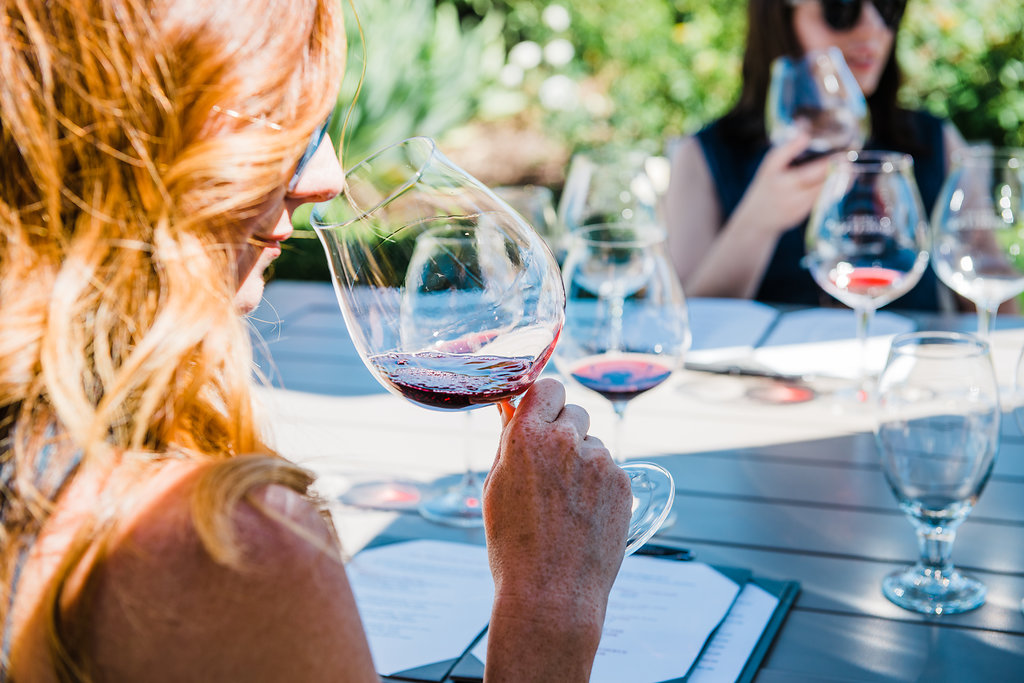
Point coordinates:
pixel 443 588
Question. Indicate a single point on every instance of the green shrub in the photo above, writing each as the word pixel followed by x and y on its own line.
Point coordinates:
pixel 425 71
pixel 655 69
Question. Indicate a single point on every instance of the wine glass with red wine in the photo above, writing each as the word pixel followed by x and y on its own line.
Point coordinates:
pixel 867 238
pixel 452 300
pixel 626 326
pixel 816 93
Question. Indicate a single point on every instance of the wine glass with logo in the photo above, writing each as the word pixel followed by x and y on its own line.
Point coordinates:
pixel 452 300
pixel 866 238
pixel 626 327
pixel 978 229
pixel 816 93
pixel 937 433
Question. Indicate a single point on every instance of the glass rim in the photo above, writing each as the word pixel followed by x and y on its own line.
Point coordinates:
pixel 431 152
pixel 975 345
pixel 526 189
pixel 646 235
pixel 990 153
pixel 879 161
pixel 809 56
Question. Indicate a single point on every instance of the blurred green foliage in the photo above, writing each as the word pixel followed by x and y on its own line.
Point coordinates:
pixel 655 69
pixel 425 71
pixel 643 70
pixel 964 59
pixel 637 72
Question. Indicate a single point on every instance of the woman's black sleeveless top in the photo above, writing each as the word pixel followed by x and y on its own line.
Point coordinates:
pixel 785 280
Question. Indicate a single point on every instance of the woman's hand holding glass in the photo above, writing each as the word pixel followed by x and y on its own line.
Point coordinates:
pixel 816 94
pixel 547 440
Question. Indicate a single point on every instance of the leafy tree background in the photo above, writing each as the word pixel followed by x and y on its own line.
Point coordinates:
pixel 638 73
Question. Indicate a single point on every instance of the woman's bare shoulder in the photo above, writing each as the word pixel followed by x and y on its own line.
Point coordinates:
pixel 166 610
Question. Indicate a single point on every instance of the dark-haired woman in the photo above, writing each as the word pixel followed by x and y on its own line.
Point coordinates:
pixel 736 206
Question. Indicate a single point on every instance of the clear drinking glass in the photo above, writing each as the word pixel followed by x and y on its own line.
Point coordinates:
pixel 626 327
pixel 978 229
pixel 816 93
pixel 452 300
pixel 610 185
pixel 866 238
pixel 937 434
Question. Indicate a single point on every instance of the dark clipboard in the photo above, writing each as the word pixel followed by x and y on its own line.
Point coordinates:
pixel 469 669
pixel 786 592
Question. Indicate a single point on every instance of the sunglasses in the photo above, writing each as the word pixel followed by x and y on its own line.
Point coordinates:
pixel 843 15
pixel 311 147
pixel 314 144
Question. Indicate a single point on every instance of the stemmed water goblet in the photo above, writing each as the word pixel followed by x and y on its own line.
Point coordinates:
pixel 626 327
pixel 451 299
pixel 816 93
pixel 937 434
pixel 866 238
pixel 978 229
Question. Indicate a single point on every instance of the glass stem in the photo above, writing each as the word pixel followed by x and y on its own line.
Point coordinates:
pixel 469 478
pixel 935 547
pixel 616 305
pixel 986 321
pixel 864 316
pixel 620 421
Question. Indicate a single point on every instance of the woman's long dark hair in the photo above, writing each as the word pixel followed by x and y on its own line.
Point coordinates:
pixel 770 34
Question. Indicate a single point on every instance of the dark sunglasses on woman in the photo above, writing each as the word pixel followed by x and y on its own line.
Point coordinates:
pixel 314 144
pixel 843 15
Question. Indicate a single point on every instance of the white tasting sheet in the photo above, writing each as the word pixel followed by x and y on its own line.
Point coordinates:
pixel 726 329
pixel 736 638
pixel 660 614
pixel 421 601
pixel 823 341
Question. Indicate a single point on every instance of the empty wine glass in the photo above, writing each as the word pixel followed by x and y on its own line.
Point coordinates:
pixel 611 185
pixel 978 229
pixel 451 299
pixel 626 327
pixel 866 238
pixel 816 93
pixel 937 433
pixel 536 204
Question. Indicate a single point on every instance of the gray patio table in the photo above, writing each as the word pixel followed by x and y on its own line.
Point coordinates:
pixel 790 488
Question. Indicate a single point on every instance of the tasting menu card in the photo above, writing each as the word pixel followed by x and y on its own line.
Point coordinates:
pixel 425 605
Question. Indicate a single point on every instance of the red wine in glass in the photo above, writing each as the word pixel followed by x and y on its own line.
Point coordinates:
pixel 456 381
pixel 870 282
pixel 621 378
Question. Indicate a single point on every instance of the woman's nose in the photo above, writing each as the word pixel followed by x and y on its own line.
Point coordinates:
pixel 870 18
pixel 322 178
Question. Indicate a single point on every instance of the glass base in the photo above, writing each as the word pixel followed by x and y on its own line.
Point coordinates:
pixel 382 495
pixel 461 505
pixel 653 494
pixel 930 592
pixel 855 397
